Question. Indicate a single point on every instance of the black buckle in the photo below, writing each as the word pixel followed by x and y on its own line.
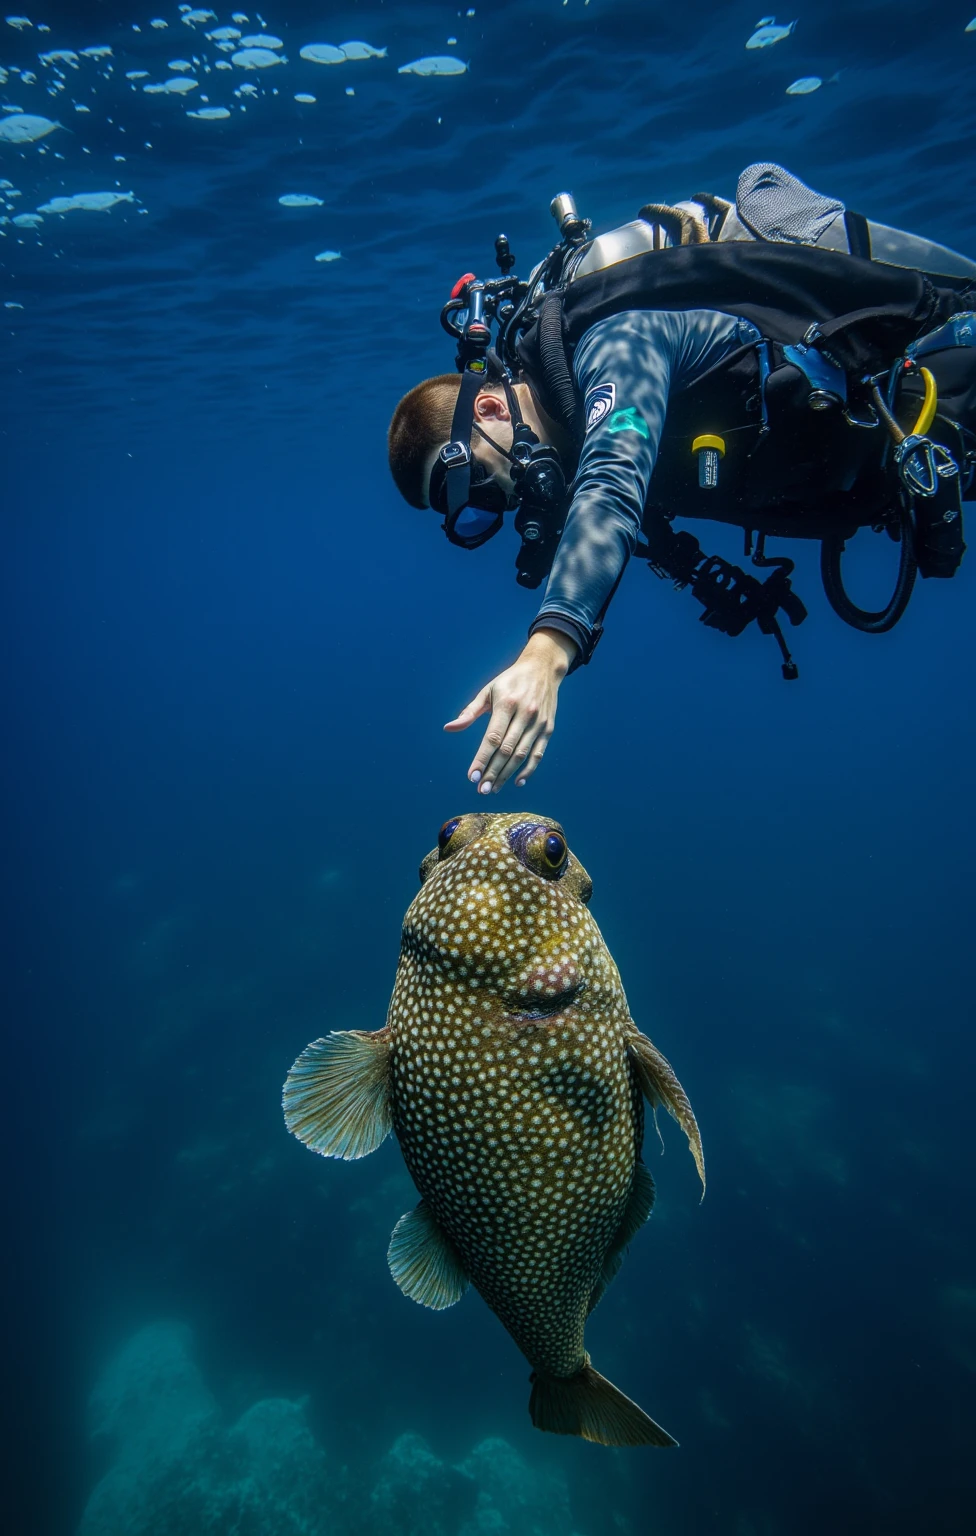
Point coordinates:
pixel 455 454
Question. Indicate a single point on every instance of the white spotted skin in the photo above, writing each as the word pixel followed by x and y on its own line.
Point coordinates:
pixel 521 1134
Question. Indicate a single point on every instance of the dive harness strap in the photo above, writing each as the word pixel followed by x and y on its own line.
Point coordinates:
pixel 858 233
pixel 867 313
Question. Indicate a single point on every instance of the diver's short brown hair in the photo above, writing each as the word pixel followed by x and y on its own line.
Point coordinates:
pixel 421 423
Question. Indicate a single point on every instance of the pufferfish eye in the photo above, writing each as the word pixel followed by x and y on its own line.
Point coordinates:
pixel 447 832
pixel 540 849
pixel 454 835
pixel 555 850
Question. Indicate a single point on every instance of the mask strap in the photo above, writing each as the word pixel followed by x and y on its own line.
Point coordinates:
pixel 521 433
pixel 513 405
pixel 458 477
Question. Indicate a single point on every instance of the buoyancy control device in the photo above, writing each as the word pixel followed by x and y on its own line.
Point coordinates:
pixel 855 409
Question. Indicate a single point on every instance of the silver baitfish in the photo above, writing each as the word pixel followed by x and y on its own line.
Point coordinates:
pixel 514 1077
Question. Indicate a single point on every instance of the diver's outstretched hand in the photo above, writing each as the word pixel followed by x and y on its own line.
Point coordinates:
pixel 522 701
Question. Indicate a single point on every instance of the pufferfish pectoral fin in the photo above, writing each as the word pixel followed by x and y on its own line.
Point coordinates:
pixel 638 1210
pixel 424 1262
pixel 336 1097
pixel 660 1086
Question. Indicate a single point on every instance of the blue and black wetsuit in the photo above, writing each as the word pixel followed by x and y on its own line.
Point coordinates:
pixel 625 368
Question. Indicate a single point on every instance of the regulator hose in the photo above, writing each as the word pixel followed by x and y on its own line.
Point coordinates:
pixel 868 622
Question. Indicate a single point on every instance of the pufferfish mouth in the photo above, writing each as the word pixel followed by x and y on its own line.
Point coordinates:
pixel 526 1007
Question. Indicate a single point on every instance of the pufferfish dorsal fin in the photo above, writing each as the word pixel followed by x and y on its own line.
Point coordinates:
pixel 638 1210
pixel 336 1097
pixel 660 1086
pixel 424 1262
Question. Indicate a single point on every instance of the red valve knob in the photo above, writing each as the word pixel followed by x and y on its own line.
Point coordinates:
pixel 461 284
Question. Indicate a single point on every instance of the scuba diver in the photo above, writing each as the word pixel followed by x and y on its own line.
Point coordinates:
pixel 781 364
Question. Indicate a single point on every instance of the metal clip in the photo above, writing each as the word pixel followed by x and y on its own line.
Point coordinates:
pixel 921 464
pixel 869 419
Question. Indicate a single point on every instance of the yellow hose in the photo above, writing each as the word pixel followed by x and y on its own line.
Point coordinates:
pixel 926 415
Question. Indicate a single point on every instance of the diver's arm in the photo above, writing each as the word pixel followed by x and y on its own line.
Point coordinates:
pixel 522 701
pixel 640 354
pixel 625 367
pixel 625 373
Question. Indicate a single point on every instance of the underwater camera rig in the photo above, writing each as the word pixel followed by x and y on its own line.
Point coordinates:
pixel 798 407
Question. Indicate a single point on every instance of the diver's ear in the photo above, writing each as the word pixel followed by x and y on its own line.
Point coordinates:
pixel 490 407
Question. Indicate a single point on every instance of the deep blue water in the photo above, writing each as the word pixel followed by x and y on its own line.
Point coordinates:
pixel 228 653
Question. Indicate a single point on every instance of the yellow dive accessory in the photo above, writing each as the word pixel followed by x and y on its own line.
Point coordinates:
pixel 710 449
pixel 926 415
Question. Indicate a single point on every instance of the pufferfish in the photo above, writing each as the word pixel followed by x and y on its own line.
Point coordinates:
pixel 514 1077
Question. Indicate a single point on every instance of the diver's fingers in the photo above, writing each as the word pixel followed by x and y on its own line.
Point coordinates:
pixel 515 756
pixel 490 756
pixel 535 758
pixel 478 706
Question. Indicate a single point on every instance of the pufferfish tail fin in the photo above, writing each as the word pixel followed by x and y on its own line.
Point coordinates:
pixel 660 1086
pixel 336 1097
pixel 590 1406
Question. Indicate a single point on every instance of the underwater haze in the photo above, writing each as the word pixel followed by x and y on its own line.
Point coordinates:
pixel 229 649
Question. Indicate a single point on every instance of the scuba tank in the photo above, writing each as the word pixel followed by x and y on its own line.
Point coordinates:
pixel 771 205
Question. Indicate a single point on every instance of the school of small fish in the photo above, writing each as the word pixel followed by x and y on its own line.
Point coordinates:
pixel 246 55
pixel 514 1078
pixel 767 33
pixel 250 50
pixel 92 202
